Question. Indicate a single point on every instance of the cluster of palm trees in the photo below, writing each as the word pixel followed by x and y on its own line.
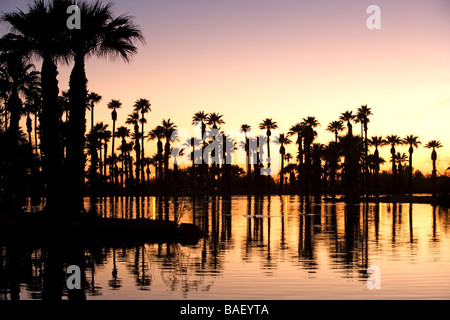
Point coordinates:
pixel 41 32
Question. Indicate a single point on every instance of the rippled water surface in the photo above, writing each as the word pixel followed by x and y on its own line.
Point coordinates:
pixel 277 247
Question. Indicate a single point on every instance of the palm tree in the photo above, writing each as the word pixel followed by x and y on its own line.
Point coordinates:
pixel 142 106
pixel 103 35
pixel 169 127
pixel 308 137
pixel 335 127
pixel 201 117
pixel 413 142
pixel 158 133
pixel 268 124
pixel 41 32
pixel 17 80
pixel 282 141
pixel 394 140
pixel 105 137
pixel 133 119
pixel 376 141
pixel 434 144
pixel 363 114
pixel 288 157
pixel 91 99
pixel 401 159
pixel 113 105
pixel 297 129
pixel 215 119
pixel 348 117
pixel 245 128
pixel 123 132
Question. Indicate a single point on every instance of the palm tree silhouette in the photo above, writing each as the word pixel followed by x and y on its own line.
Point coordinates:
pixel 268 124
pixel 282 141
pixel 348 117
pixel 41 32
pixel 363 114
pixel 401 159
pixel 123 132
pixel 308 138
pixel 133 119
pixel 434 144
pixel 158 133
pixel 169 127
pixel 245 128
pixel 413 142
pixel 104 36
pixel 142 106
pixel 114 105
pixel 215 119
pixel 91 99
pixel 394 140
pixel 297 129
pixel 376 141
pixel 335 127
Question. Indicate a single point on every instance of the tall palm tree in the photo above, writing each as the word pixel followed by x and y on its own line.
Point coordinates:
pixel 169 128
pixel 310 123
pixel 363 114
pixel 18 81
pixel 401 159
pixel 142 106
pixel 91 99
pixel 268 124
pixel 348 117
pixel 376 141
pixel 133 119
pixel 335 127
pixel 114 105
pixel 105 137
pixel 245 128
pixel 394 140
pixel 434 144
pixel 123 133
pixel 413 142
pixel 283 140
pixel 41 32
pixel 297 129
pixel 201 117
pixel 158 133
pixel 102 35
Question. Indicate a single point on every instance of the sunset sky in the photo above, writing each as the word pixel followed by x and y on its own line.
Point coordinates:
pixel 285 60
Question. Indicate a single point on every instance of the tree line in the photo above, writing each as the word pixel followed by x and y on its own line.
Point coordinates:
pixel 61 159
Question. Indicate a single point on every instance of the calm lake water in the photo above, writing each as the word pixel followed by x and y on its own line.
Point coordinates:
pixel 270 247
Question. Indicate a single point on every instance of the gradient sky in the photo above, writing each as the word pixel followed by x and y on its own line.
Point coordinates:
pixel 288 59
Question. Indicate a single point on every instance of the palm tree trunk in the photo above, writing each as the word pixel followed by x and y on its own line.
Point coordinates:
pixel 76 141
pixel 105 151
pixel 142 153
pixel 92 116
pixel 50 135
pixel 410 171
pixel 36 135
pixel 113 137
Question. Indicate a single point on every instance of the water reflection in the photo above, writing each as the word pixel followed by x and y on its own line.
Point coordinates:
pixel 256 246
